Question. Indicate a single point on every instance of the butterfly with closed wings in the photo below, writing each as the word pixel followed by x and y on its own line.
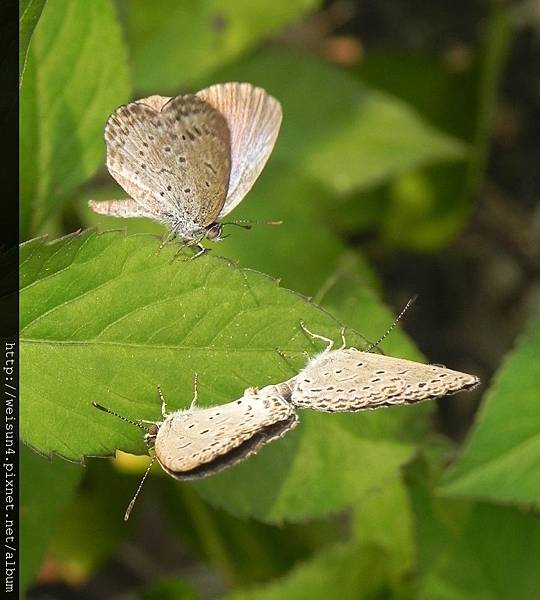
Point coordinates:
pixel 187 161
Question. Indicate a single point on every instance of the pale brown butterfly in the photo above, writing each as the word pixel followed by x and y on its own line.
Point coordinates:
pixel 348 379
pixel 187 161
pixel 198 442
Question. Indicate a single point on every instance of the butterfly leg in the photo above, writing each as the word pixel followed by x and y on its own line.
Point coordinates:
pixel 290 364
pixel 196 245
pixel 165 241
pixel 180 248
pixel 163 403
pixel 318 337
pixel 343 341
pixel 200 251
pixel 195 392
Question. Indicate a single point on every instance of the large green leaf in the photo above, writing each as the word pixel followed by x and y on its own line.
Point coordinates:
pixel 76 75
pixel 301 252
pixel 135 318
pixel 183 41
pixel 327 464
pixel 501 461
pixel 46 489
pixel 116 317
pixel 29 13
pixel 339 131
pixel 473 550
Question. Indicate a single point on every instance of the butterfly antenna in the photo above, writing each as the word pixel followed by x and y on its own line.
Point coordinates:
pixel 130 507
pixel 396 321
pixel 111 412
pixel 249 224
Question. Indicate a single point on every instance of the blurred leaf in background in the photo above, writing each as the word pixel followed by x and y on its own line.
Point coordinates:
pixel 347 571
pixel 76 75
pixel 46 489
pixel 182 42
pixel 92 529
pixel 424 208
pixel 344 134
pixel 501 460
pixel 29 13
pixel 472 550
pixel 244 550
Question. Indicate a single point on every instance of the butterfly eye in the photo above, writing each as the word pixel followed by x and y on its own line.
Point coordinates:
pixel 152 430
pixel 213 232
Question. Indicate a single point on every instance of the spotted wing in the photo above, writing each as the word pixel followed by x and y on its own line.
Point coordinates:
pixel 197 443
pixel 120 208
pixel 174 162
pixel 349 380
pixel 254 119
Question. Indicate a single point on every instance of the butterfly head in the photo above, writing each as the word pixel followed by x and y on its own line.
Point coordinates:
pixel 150 436
pixel 214 231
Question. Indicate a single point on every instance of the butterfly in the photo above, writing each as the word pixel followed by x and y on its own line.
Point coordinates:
pixel 347 379
pixel 198 442
pixel 188 161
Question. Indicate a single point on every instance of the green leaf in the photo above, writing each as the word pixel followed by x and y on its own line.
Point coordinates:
pixel 92 527
pixel 339 131
pixel 345 572
pixel 301 252
pixel 476 550
pixel 187 40
pixel 134 318
pixel 426 209
pixel 116 318
pixel 171 589
pixel 501 461
pixel 384 520
pixel 46 489
pixel 313 471
pixel 351 293
pixel 244 551
pixel 29 13
pixel 76 75
pixel 444 92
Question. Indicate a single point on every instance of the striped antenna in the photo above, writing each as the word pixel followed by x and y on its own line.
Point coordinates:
pixel 396 321
pixel 130 507
pixel 111 412
pixel 245 224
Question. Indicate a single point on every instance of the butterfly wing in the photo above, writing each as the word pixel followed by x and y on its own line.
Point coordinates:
pixel 254 119
pixel 120 208
pixel 350 380
pixel 174 162
pixel 197 443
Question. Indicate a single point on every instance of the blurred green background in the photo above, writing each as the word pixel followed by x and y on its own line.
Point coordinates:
pixel 407 163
